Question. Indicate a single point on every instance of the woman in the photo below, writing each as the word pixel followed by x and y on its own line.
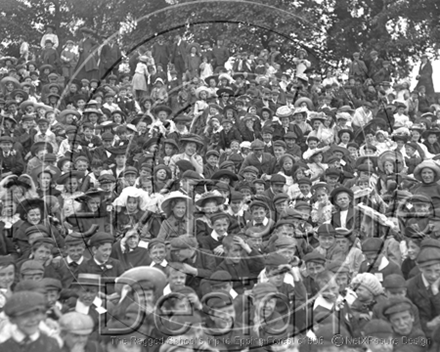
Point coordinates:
pixel 428 173
pixel 425 76
pixel 87 64
pixel 346 215
pixel 178 209
pixel 191 145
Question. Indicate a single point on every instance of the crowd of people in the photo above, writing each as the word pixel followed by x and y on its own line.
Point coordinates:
pixel 185 197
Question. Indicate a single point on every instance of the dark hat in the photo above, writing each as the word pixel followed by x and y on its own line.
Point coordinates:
pixel 338 190
pixel 6 260
pixel 284 242
pixel 304 181
pixel 218 216
pixel 337 267
pixel 183 242
pixel 314 257
pixel 130 170
pixel 52 284
pixel 24 302
pixel 220 300
pixel 106 178
pixel 257 144
pixel 236 196
pixel 291 135
pixel 185 165
pixel 301 204
pixel 429 253
pixel 191 175
pixel 394 282
pixel 280 197
pixel 37 229
pixel 263 290
pixel 326 230
pixel 224 173
pixel 397 305
pixel 220 277
pixel 212 152
pixel 251 169
pixel 73 239
pixel 373 244
pixel 68 175
pixel 100 238
pixel 277 178
pixel 273 260
pixel 378 328
pixel 280 143
pixel 31 266
pixel 6 139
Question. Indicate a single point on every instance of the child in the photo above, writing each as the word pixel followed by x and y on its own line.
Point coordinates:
pixel 312 143
pixel 412 158
pixel 259 212
pixel 327 243
pixel 109 102
pixel 91 180
pixel 68 59
pixel 53 290
pixel 316 166
pixel 314 264
pixel 431 141
pixel 369 292
pixel 158 252
pixel 211 165
pixel 330 303
pixel 220 223
pixel 26 310
pixel 71 191
pixel 159 93
pixel 242 262
pixel 382 142
pixel 322 208
pixel 228 134
pixel 129 252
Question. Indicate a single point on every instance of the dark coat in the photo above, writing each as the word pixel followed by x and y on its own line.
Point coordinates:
pixel 227 137
pixel 205 264
pixel 265 167
pixel 425 301
pixel 13 163
pixel 112 270
pixel 43 344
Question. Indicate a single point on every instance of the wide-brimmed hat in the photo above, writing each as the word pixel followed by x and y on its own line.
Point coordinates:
pixel 160 108
pixel 200 90
pixel 224 173
pixel 52 170
pixel 191 139
pixel 225 90
pixel 214 196
pixel 92 192
pixel 173 196
pixel 338 190
pixel 350 132
pixel 430 164
pixel 140 274
pixel 393 156
pixel 86 279
pixel 214 77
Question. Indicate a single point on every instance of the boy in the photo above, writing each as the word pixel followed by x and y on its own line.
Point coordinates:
pixel 103 152
pixel 11 161
pixel 267 134
pixel 412 158
pixel 120 162
pixel 68 266
pixel 259 212
pixel 45 135
pixel 242 262
pixel 277 184
pixel 312 143
pixel 26 310
pixel 314 264
pixel 53 290
pixel 328 247
pixel 130 176
pixel 220 223
pixel 176 278
pixel 228 134
pixel 109 102
pixel 292 148
pixel 211 165
pixel 91 180
pixel 330 303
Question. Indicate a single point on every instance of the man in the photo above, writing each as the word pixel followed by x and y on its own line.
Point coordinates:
pixel 375 64
pixel 178 55
pixel 423 289
pixel 110 55
pixel 220 53
pixel 399 312
pixel 264 162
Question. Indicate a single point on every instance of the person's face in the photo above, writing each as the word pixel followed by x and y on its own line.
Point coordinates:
pixel 42 254
pixel 326 241
pixel 415 135
pixel 413 250
pixel 177 279
pixel 259 214
pixel 120 160
pixel 6 146
pixel 161 175
pixel 267 307
pixel 304 188
pixel 363 293
pixel 224 318
pixel 107 187
pixel 190 148
pixel 184 254
pixel 431 273
pixel 258 152
pixel 428 175
pixel 234 253
pixel 281 206
pixel 34 216
pixel 158 254
pixel 342 281
pixel 94 204
pixel 344 244
pixel 102 252
pixel 81 166
pixel 71 185
pixel 279 151
pixel 130 178
pixel 402 322
pixel 314 269
pixel 52 296
pixel 28 323
pixel 221 226
pixel 179 210
pixel 132 204
pixel 75 252
pixel 343 200
pixel 7 276
pixel 321 196
pixel 87 294
pixel 141 127
pixel 331 291
pixel 235 146
pixel 75 341
pixel 422 209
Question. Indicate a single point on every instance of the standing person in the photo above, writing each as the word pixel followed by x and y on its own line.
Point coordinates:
pixel 68 59
pixel 220 54
pixel 49 56
pixel 161 52
pixel 425 76
pixel 193 61
pixel 51 35
pixel 87 64
pixel 178 55
pixel 24 49
pixel 110 56
pixel 139 84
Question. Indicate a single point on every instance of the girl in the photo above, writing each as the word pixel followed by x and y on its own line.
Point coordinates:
pixel 170 148
pixel 139 83
pixel 205 68
pixel 202 95
pixel 248 131
pixel 316 166
pixel 322 208
pixel 294 191
pixel 71 182
pixel 45 177
pixel 285 164
pixel 382 142
pixel 345 136
pixel 159 93
pixel 193 62
pixel 431 141
pixel 178 209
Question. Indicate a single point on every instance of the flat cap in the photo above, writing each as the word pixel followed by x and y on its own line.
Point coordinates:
pixel 51 284
pixel 257 144
pixel 100 238
pixel 183 242
pixel 372 244
pixel 262 290
pixel 24 302
pixel 429 253
pixel 378 328
pixel 314 257
pixel 280 197
pixel 277 178
pixel 394 282
pixel 31 266
pixel 397 305
pixel 326 230
pixel 76 323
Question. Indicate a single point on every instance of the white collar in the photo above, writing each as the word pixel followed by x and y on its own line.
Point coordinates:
pixel 70 260
pixel 233 293
pixel 322 302
pixel 18 336
pixel 99 264
pixel 265 222
pixel 82 308
pixel 167 290
pixel 163 263
pixel 383 263
pixel 216 236
pixel 425 282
